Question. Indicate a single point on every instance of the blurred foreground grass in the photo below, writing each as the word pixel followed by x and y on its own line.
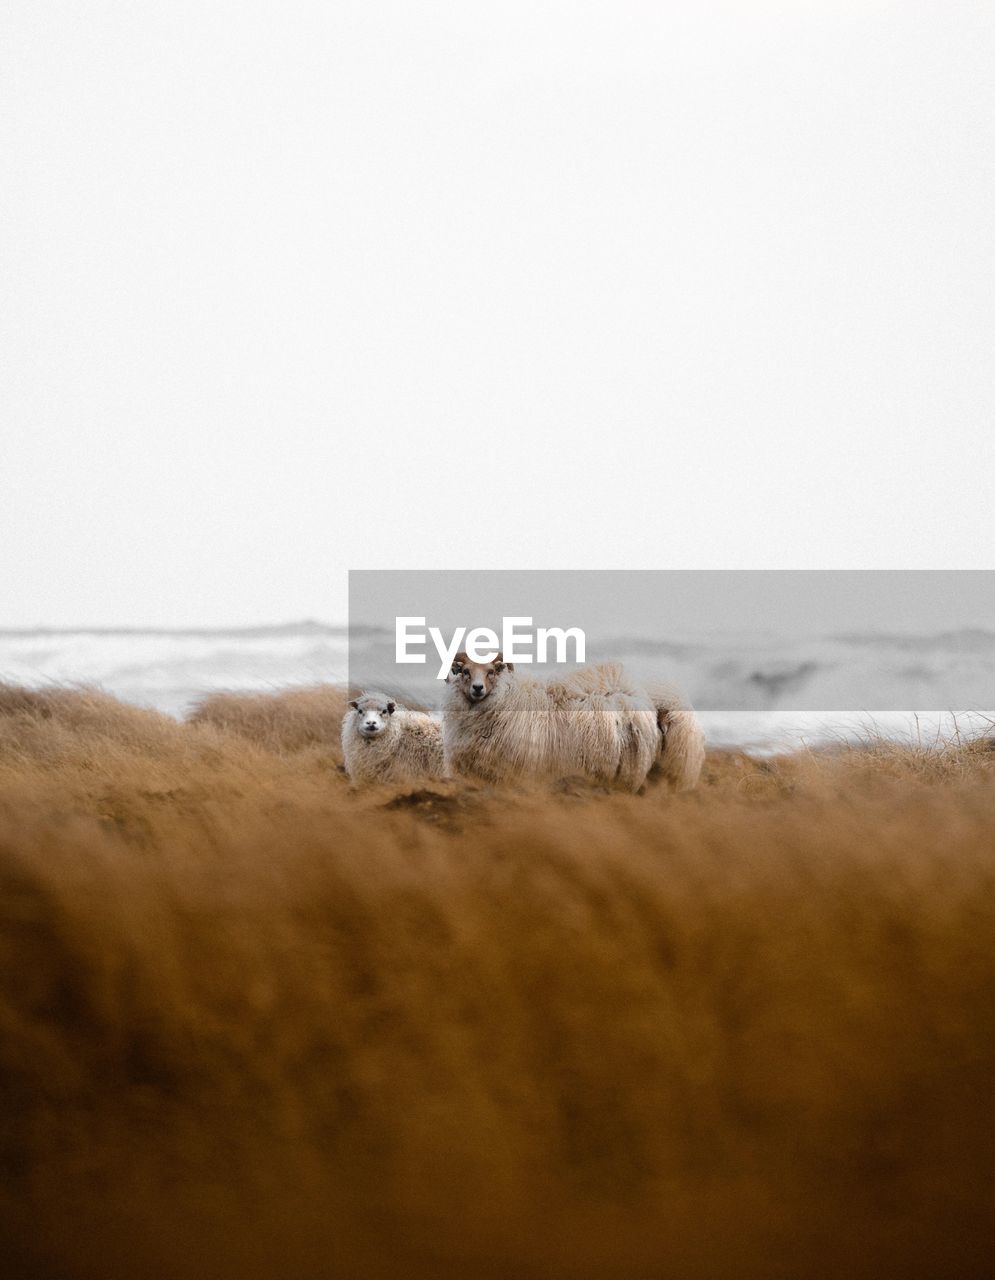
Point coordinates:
pixel 254 1024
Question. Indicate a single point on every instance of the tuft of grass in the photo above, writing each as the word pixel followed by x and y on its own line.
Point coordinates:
pixel 254 1023
pixel 282 721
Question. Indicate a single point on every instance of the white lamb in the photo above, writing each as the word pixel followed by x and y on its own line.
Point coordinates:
pixel 594 723
pixel 383 742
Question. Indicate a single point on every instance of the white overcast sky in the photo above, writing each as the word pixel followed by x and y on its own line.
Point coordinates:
pixel 289 289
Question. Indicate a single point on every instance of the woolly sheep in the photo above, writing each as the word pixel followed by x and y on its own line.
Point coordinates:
pixel 383 742
pixel 682 749
pixel 595 723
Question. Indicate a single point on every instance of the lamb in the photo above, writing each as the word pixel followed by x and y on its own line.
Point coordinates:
pixel 595 723
pixel 383 742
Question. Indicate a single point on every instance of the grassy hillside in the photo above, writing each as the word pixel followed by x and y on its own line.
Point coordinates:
pixel 253 1024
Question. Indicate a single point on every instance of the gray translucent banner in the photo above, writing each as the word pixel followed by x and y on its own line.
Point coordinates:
pixel 737 640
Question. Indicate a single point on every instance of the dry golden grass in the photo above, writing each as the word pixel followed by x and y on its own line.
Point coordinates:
pixel 287 721
pixel 257 1025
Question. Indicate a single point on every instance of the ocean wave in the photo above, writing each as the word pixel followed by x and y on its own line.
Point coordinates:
pixel 737 681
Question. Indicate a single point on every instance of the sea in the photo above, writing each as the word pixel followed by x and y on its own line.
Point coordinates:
pixel 759 693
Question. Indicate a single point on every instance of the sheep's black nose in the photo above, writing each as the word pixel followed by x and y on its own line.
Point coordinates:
pixel 478 688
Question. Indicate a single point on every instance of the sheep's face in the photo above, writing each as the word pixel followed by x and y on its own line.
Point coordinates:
pixel 373 715
pixel 477 680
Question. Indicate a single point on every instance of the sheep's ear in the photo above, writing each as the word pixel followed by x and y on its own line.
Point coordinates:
pixel 457 665
pixel 354 704
pixel 501 665
pixel 391 708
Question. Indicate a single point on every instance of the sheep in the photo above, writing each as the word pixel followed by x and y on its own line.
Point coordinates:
pixel 382 742
pixel 682 749
pixel 595 723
